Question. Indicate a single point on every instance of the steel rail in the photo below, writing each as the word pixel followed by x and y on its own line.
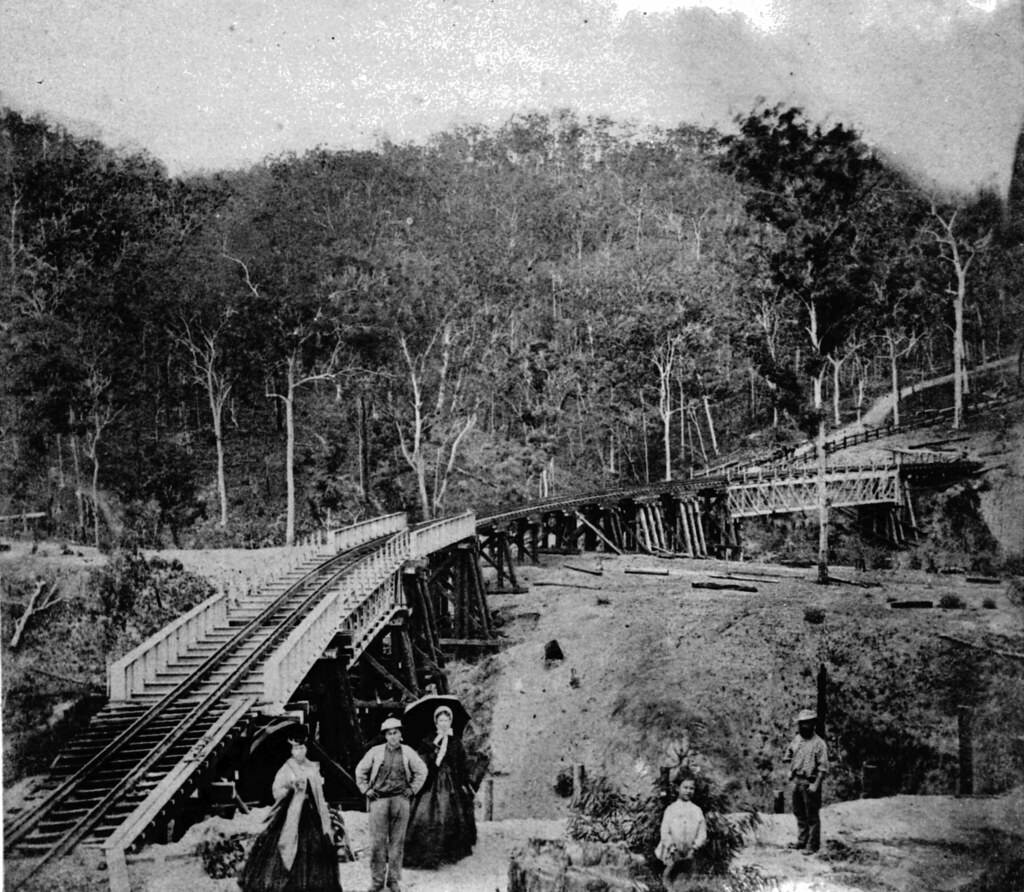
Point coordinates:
pixel 84 824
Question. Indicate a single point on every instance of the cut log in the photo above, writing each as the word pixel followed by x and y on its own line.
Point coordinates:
pixel 841 581
pixel 904 605
pixel 718 586
pixel 584 570
pixel 642 572
pixel 745 579
pixel 983 580
pixel 593 588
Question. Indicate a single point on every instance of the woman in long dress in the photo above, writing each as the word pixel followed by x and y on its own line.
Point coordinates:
pixel 442 827
pixel 295 851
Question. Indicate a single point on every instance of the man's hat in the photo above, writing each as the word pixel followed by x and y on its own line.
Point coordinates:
pixel 807 715
pixel 391 722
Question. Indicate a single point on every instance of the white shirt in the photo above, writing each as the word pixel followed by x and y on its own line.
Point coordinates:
pixel 682 826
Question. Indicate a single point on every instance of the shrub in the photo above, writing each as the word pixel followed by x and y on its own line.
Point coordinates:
pixel 602 813
pixel 222 856
pixel 952 602
pixel 989 604
pixel 814 615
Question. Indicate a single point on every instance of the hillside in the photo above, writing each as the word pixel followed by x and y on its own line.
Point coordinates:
pixel 650 662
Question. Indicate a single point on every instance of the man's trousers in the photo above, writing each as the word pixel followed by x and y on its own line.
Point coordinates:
pixel 388 819
pixel 806 809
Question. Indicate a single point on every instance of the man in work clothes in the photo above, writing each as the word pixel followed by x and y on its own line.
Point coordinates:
pixel 389 775
pixel 808 765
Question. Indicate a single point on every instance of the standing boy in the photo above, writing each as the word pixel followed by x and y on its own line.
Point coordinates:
pixel 808 764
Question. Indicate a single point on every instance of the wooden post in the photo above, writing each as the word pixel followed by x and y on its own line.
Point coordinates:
pixel 481 589
pixel 822 701
pixel 409 658
pixel 489 799
pixel 684 523
pixel 578 775
pixel 659 525
pixel 964 716
pixel 599 534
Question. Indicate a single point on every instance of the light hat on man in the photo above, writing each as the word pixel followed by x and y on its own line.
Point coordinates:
pixel 391 722
pixel 807 715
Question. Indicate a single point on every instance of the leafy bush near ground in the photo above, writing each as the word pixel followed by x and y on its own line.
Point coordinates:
pixel 603 813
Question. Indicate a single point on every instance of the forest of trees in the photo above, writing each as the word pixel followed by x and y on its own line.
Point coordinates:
pixel 552 305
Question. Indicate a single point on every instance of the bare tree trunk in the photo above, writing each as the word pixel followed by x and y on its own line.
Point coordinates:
pixel 711 425
pixel 894 382
pixel 700 434
pixel 822 485
pixel 836 416
pixel 647 450
pixel 218 434
pixel 77 464
pixel 682 425
pixel 959 371
pixel 96 493
pixel 289 454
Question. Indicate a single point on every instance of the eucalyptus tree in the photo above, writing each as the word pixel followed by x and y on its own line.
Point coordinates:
pixel 961 235
pixel 90 235
pixel 810 186
pixel 282 240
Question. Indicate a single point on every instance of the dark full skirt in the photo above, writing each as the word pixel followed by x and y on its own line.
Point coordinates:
pixel 442 827
pixel 315 868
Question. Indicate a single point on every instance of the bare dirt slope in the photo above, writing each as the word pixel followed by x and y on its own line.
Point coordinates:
pixel 649 659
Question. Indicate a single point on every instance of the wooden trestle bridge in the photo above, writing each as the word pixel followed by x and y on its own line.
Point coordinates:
pixel 363 625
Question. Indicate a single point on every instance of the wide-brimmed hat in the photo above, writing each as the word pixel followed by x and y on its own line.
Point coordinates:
pixel 807 715
pixel 391 722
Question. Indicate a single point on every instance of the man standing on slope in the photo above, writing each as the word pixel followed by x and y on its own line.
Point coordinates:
pixel 808 764
pixel 389 775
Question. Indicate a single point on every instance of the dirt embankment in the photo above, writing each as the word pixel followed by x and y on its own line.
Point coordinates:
pixel 650 660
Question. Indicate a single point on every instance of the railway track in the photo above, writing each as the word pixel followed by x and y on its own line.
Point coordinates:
pixel 130 746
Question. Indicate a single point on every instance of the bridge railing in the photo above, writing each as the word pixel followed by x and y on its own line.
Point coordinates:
pixel 439 534
pixel 342 538
pixel 128 675
pixel 363 600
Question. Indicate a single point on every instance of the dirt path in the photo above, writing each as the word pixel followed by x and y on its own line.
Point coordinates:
pixel 174 868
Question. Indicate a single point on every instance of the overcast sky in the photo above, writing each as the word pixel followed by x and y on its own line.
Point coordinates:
pixel 205 84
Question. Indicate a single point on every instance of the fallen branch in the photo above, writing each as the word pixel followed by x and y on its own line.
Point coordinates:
pixel 593 588
pixel 642 572
pixel 30 608
pixel 1009 654
pixel 584 570
pixel 939 442
pixel 720 586
pixel 745 579
pixel 722 629
pixel 983 580
pixel 56 675
pixel 841 581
